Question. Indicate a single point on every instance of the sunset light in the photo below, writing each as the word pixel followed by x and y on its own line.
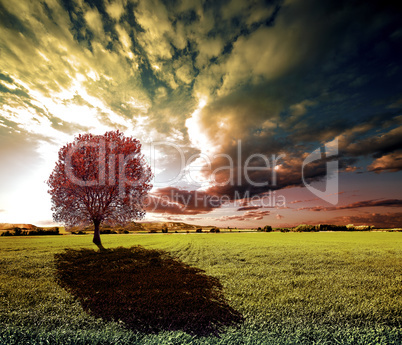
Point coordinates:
pixel 199 172
pixel 191 82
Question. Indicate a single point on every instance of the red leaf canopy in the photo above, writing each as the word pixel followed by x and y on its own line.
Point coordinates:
pixel 99 178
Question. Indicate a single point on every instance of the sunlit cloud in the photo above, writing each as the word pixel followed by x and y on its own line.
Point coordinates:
pixel 204 77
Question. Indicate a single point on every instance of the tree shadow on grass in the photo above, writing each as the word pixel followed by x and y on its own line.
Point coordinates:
pixel 146 289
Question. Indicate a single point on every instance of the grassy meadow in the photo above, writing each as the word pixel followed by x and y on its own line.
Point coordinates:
pixel 283 288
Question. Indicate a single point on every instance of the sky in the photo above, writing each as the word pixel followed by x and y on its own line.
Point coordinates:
pixel 250 113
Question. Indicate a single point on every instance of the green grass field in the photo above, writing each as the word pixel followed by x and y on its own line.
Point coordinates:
pixel 290 288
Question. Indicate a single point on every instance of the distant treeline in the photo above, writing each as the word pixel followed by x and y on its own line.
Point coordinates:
pixel 150 231
pixel 320 227
pixel 332 227
pixel 30 232
pixel 102 231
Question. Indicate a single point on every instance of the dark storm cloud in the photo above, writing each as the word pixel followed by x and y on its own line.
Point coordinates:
pixel 381 221
pixel 252 175
pixel 376 145
pixel 248 208
pixel 387 163
pixel 358 204
pixel 301 98
pixel 12 22
pixel 299 201
pixel 6 78
pixel 16 92
pixel 249 215
pixel 178 201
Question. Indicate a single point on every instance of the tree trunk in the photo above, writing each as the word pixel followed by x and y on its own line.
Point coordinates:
pixel 97 239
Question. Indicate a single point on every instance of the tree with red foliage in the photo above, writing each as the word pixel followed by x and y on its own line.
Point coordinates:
pixel 99 178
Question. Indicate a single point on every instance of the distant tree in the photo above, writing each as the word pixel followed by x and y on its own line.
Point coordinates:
pixel 307 228
pixel 17 231
pixel 267 228
pixel 99 178
pixel 164 228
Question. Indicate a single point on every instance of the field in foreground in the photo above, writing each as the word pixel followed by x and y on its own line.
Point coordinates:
pixel 289 288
